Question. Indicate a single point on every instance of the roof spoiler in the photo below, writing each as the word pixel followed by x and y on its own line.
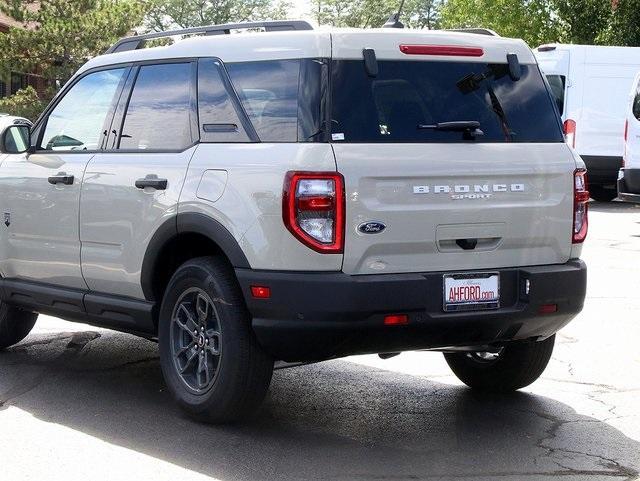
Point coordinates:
pixel 477 31
pixel 137 41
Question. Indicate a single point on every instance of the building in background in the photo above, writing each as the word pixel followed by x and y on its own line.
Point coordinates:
pixel 11 82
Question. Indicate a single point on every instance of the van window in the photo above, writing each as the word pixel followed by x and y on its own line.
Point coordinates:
pixel 558 85
pixel 636 104
pixel 159 111
pixel 219 121
pixel 77 121
pixel 407 100
pixel 269 93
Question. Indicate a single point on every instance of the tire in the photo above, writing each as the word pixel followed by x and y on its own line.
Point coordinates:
pixel 232 381
pixel 601 194
pixel 15 325
pixel 516 366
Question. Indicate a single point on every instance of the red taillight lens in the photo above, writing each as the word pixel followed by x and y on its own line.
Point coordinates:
pixel 313 210
pixel 570 132
pixel 445 50
pixel 580 206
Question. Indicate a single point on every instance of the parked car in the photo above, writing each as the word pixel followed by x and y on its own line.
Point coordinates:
pixel 591 85
pixel 300 195
pixel 629 176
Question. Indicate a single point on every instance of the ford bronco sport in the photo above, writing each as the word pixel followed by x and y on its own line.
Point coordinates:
pixel 297 195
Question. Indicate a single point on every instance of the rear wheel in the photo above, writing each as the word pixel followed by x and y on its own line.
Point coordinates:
pixel 210 359
pixel 15 324
pixel 513 367
pixel 602 194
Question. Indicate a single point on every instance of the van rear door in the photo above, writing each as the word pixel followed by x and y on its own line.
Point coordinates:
pixel 454 164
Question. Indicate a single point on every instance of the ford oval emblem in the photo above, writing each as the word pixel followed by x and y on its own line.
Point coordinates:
pixel 372 227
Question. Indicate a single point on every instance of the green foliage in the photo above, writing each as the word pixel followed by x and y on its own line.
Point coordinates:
pixel 534 21
pixel 167 14
pixel 61 35
pixel 25 103
pixel 582 21
pixel 624 24
pixel 374 13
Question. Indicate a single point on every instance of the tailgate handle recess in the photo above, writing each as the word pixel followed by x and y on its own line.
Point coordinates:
pixel 467 244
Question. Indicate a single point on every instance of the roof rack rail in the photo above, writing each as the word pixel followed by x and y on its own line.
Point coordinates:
pixel 477 31
pixel 137 41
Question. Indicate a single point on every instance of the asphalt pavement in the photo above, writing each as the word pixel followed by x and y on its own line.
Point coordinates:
pixel 78 402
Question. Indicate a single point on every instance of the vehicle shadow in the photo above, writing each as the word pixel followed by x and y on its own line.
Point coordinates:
pixel 331 420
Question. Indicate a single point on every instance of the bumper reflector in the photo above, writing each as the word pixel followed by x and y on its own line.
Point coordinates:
pixel 396 320
pixel 261 292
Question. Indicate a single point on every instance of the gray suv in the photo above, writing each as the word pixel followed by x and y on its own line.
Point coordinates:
pixel 297 195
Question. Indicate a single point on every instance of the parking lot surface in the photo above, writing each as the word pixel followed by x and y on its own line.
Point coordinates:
pixel 78 402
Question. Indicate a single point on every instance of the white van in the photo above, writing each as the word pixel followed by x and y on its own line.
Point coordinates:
pixel 629 176
pixel 591 85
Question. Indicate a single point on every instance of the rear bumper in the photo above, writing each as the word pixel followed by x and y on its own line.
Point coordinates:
pixel 629 185
pixel 313 316
pixel 602 170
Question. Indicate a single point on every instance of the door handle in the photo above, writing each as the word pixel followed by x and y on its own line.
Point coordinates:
pixel 61 178
pixel 152 181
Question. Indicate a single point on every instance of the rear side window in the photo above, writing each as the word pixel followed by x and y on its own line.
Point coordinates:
pixel 636 104
pixel 269 93
pixel 558 84
pixel 407 100
pixel 219 120
pixel 159 111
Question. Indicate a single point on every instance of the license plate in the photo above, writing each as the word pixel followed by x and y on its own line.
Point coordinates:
pixel 471 292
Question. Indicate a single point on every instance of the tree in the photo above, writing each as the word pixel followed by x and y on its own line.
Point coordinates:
pixel 624 24
pixel 583 21
pixel 61 35
pixel 374 13
pixel 535 21
pixel 167 14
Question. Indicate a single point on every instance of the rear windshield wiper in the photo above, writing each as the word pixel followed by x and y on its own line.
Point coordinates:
pixel 470 128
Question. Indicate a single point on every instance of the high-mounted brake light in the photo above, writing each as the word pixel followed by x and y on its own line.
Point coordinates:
pixel 580 206
pixel 570 132
pixel 313 210
pixel 444 50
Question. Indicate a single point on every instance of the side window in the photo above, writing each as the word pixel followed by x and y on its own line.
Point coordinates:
pixel 636 104
pixel 219 121
pixel 159 112
pixel 558 84
pixel 77 121
pixel 268 91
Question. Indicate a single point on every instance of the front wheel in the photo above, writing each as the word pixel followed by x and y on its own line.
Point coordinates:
pixel 513 367
pixel 15 324
pixel 210 358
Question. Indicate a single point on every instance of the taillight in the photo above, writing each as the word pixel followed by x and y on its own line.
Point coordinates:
pixel 313 210
pixel 570 132
pixel 580 206
pixel 626 136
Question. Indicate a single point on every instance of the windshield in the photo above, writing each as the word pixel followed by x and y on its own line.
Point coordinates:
pixel 412 101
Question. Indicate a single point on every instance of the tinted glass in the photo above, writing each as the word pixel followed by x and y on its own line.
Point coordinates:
pixel 77 122
pixel 269 93
pixel 159 111
pixel 219 121
pixel 558 84
pixel 407 99
pixel 636 105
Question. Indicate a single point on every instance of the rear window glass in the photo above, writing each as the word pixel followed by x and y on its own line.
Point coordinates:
pixel 412 102
pixel 558 85
pixel 269 93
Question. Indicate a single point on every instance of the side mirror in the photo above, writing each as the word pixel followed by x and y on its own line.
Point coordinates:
pixel 15 139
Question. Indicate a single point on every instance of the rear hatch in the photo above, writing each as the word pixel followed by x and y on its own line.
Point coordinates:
pixel 423 194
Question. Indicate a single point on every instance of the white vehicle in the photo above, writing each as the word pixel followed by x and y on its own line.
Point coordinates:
pixel 591 85
pixel 297 195
pixel 629 176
